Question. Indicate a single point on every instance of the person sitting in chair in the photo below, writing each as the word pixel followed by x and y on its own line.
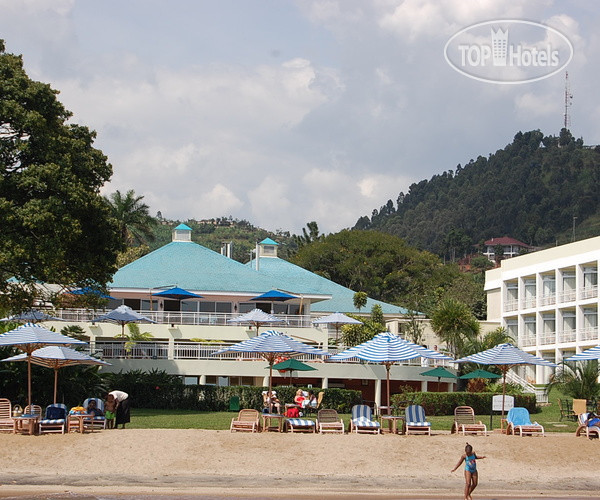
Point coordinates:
pixel 271 400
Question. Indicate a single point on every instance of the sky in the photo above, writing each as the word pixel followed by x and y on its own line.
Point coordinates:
pixel 282 112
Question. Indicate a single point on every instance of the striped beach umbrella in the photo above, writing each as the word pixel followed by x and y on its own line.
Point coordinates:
pixel 57 357
pixel 28 338
pixel 387 349
pixel 504 356
pixel 593 353
pixel 272 344
pixel 31 316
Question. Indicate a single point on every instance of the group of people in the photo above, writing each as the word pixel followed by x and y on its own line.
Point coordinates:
pixel 302 399
pixel 116 409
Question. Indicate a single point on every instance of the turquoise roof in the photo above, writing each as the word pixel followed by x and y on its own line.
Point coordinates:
pixel 296 279
pixel 268 241
pixel 192 267
pixel 183 227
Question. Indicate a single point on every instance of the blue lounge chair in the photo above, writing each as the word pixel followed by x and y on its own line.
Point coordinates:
pixel 98 422
pixel 415 421
pixel 55 419
pixel 362 421
pixel 519 423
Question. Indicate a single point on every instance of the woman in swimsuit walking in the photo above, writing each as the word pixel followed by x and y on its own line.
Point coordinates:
pixel 471 476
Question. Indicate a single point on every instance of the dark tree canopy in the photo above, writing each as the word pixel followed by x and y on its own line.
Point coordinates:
pixel 55 227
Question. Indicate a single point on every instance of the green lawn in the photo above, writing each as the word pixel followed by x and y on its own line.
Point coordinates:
pixel 143 418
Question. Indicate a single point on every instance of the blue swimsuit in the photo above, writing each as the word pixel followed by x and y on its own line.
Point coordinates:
pixel 470 464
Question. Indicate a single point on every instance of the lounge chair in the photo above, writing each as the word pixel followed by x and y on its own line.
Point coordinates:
pixel 6 421
pixel 583 428
pixel 565 407
pixel 415 421
pixel 301 425
pixel 361 420
pixel 247 420
pixel 33 410
pixel 518 422
pixel 98 422
pixel 464 421
pixel 329 421
pixel 55 419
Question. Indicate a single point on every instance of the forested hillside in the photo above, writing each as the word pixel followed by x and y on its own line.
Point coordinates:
pixel 530 190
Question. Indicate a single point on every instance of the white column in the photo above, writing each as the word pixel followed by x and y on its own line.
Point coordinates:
pixel 324 383
pixel 265 381
pixel 171 349
pixel 378 392
pixel 202 380
pixel 423 385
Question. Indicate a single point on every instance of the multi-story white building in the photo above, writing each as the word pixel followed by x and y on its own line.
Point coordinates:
pixel 548 302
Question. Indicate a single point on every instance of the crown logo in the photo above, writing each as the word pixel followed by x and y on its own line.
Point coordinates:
pixel 499 46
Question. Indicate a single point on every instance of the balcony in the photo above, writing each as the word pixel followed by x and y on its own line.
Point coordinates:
pixel 567 296
pixel 528 341
pixel 547 338
pixel 589 333
pixel 567 336
pixel 511 305
pixel 588 292
pixel 548 300
pixel 529 303
pixel 183 318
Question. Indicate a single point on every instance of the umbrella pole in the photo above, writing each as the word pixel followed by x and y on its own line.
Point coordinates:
pixel 270 393
pixel 504 370
pixel 29 379
pixel 387 367
pixel 55 383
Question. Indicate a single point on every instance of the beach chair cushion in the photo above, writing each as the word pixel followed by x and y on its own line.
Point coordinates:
pixel 363 422
pixel 55 414
pixel 519 421
pixel 415 416
pixel 300 422
pixel 361 419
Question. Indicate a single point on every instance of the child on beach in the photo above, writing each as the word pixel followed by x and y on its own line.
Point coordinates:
pixel 110 407
pixel 471 477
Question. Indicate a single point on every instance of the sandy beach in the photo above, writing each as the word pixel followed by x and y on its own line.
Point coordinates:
pixel 215 464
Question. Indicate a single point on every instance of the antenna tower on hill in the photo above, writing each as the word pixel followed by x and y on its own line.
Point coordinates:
pixel 568 101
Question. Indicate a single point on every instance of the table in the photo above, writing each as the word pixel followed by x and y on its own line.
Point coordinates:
pixel 81 417
pixel 266 422
pixel 392 421
pixel 25 424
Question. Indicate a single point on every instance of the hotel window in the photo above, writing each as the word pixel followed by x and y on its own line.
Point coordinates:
pixel 529 333
pixel 214 307
pixel 548 285
pixel 530 293
pixel 590 324
pixel 512 292
pixel 268 250
pixel 569 323
pixel 512 328
pixel 590 277
pixel 568 285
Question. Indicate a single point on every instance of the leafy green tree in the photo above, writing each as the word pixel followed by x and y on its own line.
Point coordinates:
pixel 135 221
pixel 455 325
pixel 578 380
pixel 55 227
pixel 75 331
pixel 357 334
pixel 359 300
pixel 308 236
pixel 413 328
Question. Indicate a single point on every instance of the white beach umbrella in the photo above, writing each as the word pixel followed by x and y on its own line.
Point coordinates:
pixel 256 317
pixel 337 319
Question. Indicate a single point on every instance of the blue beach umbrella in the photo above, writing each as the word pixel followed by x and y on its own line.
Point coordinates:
pixel 57 357
pixel 593 353
pixel 86 290
pixel 273 296
pixel 271 344
pixel 28 338
pixel 123 315
pixel 387 349
pixel 504 356
pixel 256 317
pixel 177 294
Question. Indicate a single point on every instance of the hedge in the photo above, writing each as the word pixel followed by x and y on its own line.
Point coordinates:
pixel 443 403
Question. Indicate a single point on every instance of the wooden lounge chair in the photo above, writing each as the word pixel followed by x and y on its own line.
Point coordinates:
pixel 464 421
pixel 301 425
pixel 33 410
pixel 415 421
pixel 6 421
pixel 247 420
pixel 361 420
pixel 584 430
pixel 566 410
pixel 55 419
pixel 518 422
pixel 329 421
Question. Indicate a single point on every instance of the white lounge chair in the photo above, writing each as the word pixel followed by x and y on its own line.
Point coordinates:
pixel 583 428
pixel 464 421
pixel 301 425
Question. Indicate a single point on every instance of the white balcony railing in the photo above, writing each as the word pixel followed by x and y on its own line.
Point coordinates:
pixel 183 318
pixel 588 292
pixel 547 338
pixel 528 303
pixel 567 296
pixel 511 305
pixel 567 336
pixel 528 341
pixel 548 300
pixel 589 333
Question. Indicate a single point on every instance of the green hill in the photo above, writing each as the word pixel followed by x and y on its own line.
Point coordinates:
pixel 530 190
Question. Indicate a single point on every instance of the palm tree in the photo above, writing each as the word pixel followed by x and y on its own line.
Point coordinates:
pixel 455 325
pixel 134 336
pixel 578 380
pixel 134 220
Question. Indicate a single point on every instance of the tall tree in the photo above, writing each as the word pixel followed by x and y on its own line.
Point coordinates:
pixel 54 225
pixel 308 236
pixel 135 222
pixel 359 300
pixel 455 325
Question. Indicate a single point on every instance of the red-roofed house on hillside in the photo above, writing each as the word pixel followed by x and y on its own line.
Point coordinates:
pixel 510 246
